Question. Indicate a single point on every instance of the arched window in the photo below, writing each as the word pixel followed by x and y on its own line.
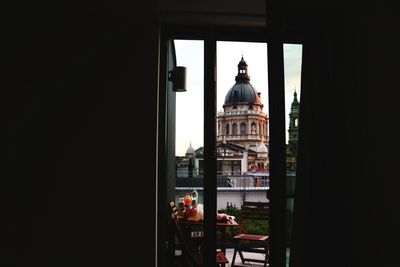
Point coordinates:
pixel 227 129
pixel 253 128
pixel 219 129
pixel 234 129
pixel 243 128
pixel 259 129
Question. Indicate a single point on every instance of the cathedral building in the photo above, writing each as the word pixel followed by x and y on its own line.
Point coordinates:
pixel 242 133
pixel 242 127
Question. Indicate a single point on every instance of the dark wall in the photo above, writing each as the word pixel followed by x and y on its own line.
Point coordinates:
pixel 80 146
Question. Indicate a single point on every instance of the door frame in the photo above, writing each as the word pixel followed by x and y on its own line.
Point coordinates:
pixel 210 35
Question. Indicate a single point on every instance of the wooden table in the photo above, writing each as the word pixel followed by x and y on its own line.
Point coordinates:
pixel 221 226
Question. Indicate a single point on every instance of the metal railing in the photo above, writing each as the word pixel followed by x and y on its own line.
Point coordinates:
pixel 227 182
pixel 240 112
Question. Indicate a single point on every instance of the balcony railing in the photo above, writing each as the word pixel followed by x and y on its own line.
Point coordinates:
pixel 226 182
pixel 233 137
pixel 240 112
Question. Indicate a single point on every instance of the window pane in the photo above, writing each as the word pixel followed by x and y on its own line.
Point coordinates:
pixel 292 63
pixel 189 128
pixel 242 139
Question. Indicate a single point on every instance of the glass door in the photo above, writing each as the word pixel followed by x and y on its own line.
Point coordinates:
pixel 215 139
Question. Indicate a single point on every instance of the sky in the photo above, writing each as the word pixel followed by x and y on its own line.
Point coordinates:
pixel 189 104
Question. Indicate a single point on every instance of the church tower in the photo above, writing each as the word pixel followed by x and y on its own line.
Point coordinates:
pixel 294 123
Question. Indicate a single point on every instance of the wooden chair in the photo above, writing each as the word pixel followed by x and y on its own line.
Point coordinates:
pixel 247 241
pixel 190 251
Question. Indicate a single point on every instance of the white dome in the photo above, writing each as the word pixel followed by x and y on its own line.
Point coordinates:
pixel 262 149
pixel 190 150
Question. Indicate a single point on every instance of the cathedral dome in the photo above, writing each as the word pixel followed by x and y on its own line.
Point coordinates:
pixel 242 92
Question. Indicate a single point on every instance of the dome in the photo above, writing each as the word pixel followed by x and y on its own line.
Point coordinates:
pixel 262 149
pixel 190 150
pixel 242 92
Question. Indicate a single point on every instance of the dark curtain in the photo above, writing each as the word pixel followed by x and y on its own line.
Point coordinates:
pixel 345 207
pixel 320 214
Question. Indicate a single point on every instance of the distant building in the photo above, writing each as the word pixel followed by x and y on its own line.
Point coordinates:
pixel 188 166
pixel 291 147
pixel 242 135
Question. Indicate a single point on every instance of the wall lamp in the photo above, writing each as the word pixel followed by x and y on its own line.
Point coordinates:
pixel 178 78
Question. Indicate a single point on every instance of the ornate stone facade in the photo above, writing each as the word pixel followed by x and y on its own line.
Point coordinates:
pixel 243 120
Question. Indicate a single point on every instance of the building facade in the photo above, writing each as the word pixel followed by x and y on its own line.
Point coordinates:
pixel 242 127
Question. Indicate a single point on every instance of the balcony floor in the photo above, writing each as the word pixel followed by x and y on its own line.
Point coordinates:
pixel 238 262
pixel 229 255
